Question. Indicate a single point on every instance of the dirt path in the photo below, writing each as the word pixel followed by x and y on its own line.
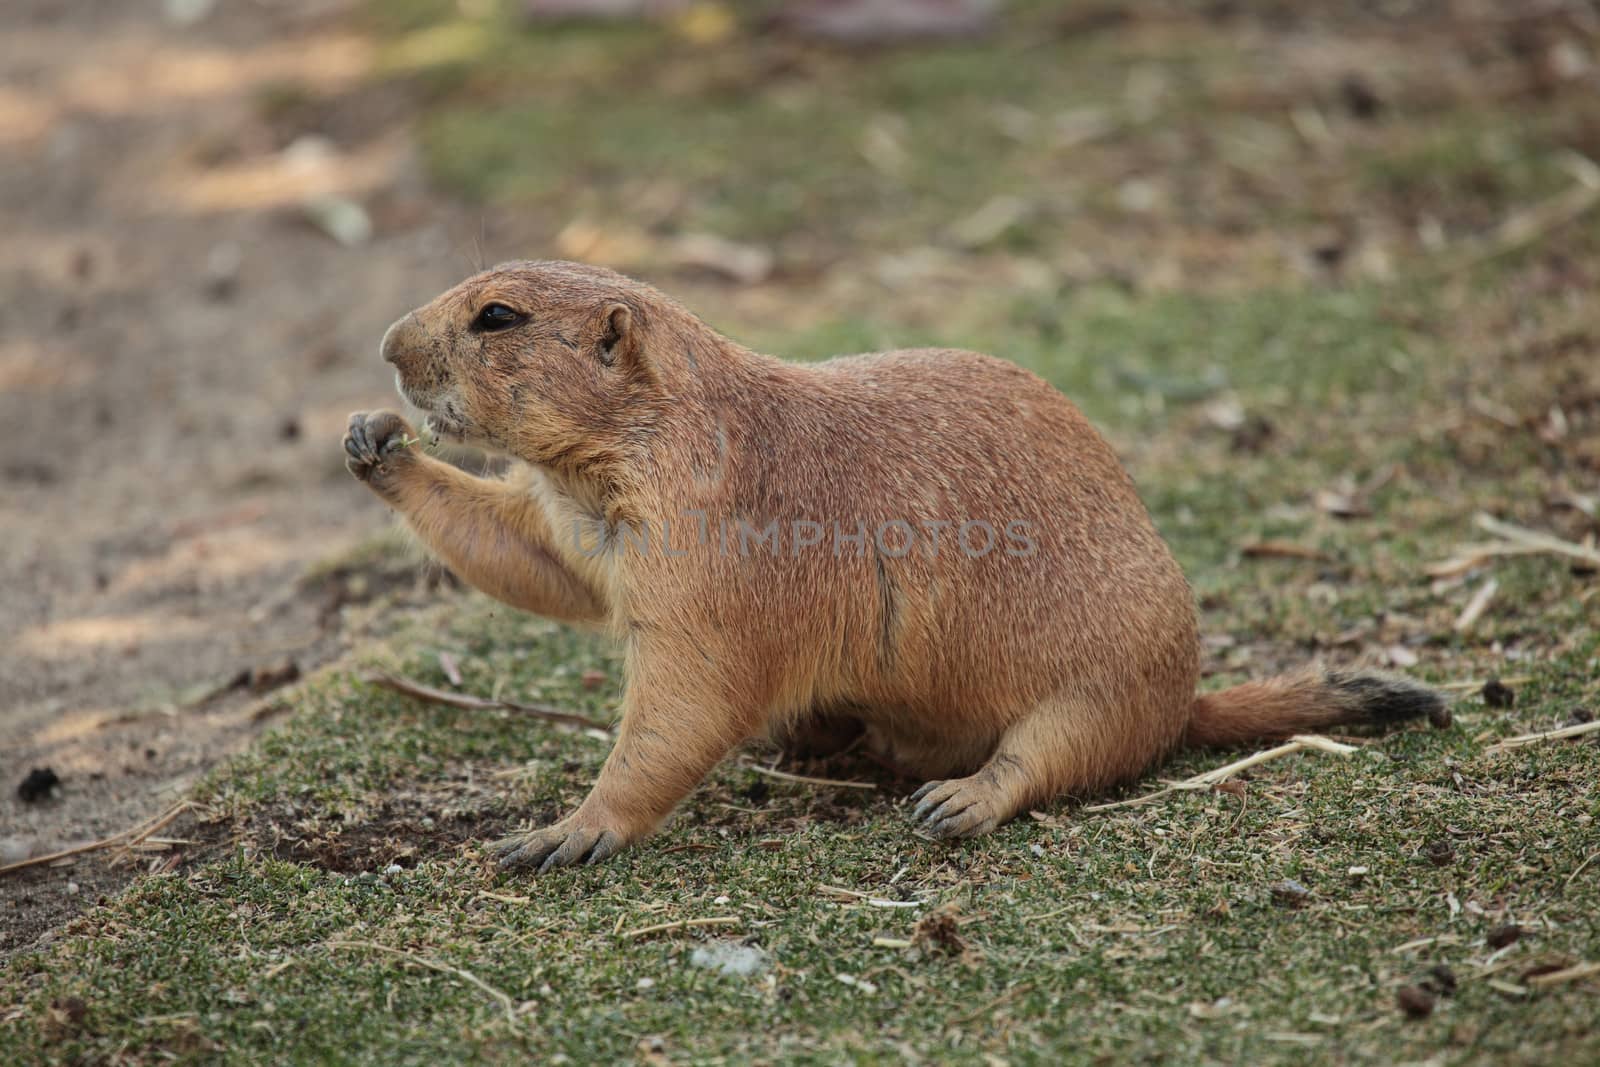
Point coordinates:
pixel 178 350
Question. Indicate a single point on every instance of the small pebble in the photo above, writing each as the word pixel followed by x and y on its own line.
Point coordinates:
pixel 1291 893
pixel 729 958
pixel 644 984
pixel 14 850
pixel 72 889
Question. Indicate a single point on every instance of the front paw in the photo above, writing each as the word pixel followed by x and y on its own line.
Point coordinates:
pixel 375 441
pixel 960 807
pixel 571 841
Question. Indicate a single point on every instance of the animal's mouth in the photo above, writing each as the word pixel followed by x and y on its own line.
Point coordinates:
pixel 439 415
pixel 442 425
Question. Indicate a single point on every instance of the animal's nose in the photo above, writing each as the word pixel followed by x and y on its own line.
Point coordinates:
pixel 394 341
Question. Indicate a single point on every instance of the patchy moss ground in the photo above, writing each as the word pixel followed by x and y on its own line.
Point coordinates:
pixel 1265 313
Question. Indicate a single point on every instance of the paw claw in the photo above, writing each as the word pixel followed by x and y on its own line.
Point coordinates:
pixel 553 847
pixel 504 846
pixel 370 437
pixel 947 811
pixel 931 797
pixel 960 807
pixel 608 845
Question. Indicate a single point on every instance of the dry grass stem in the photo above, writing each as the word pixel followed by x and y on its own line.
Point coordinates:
pixel 1513 540
pixel 127 837
pixel 468 702
pixel 1476 606
pixel 1299 743
pixel 802 779
pixel 1561 734
pixel 1009 995
pixel 1530 225
pixel 680 924
pixel 505 1001
pixel 1577 972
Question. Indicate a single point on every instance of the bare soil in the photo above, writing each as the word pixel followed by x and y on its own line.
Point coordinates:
pixel 179 348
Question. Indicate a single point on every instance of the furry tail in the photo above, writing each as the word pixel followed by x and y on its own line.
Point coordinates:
pixel 1277 708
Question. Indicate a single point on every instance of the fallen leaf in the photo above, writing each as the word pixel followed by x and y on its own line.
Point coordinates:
pixel 1341 505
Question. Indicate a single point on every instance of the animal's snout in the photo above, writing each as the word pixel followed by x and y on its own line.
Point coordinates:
pixel 397 345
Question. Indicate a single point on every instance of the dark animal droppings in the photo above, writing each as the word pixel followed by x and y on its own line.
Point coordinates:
pixel 1497 694
pixel 37 785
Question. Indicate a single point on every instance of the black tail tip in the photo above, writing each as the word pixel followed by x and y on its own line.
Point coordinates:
pixel 1389 699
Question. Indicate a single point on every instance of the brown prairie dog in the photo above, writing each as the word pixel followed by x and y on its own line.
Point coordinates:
pixel 934 546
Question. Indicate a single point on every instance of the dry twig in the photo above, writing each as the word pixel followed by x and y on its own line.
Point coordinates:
pixel 126 837
pixel 1574 973
pixel 785 776
pixel 1298 743
pixel 680 924
pixel 1534 223
pixel 1476 606
pixel 855 896
pixel 509 1005
pixel 1282 550
pixel 468 702
pixel 1513 540
pixel 1011 994
pixel 1561 734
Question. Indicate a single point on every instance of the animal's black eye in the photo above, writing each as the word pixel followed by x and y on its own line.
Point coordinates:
pixel 495 317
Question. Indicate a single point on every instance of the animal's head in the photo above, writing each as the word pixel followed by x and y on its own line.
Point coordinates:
pixel 544 360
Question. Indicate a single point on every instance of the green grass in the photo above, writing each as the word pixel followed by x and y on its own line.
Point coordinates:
pixel 1150 933
pixel 1133 934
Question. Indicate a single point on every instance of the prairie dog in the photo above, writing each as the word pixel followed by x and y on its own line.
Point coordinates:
pixel 932 546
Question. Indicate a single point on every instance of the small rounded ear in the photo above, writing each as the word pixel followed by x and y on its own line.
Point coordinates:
pixel 620 344
pixel 614 331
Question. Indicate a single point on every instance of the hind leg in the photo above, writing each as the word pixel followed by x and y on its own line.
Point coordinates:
pixel 1060 747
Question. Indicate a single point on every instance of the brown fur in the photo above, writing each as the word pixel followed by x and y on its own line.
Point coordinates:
pixel 1008 678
